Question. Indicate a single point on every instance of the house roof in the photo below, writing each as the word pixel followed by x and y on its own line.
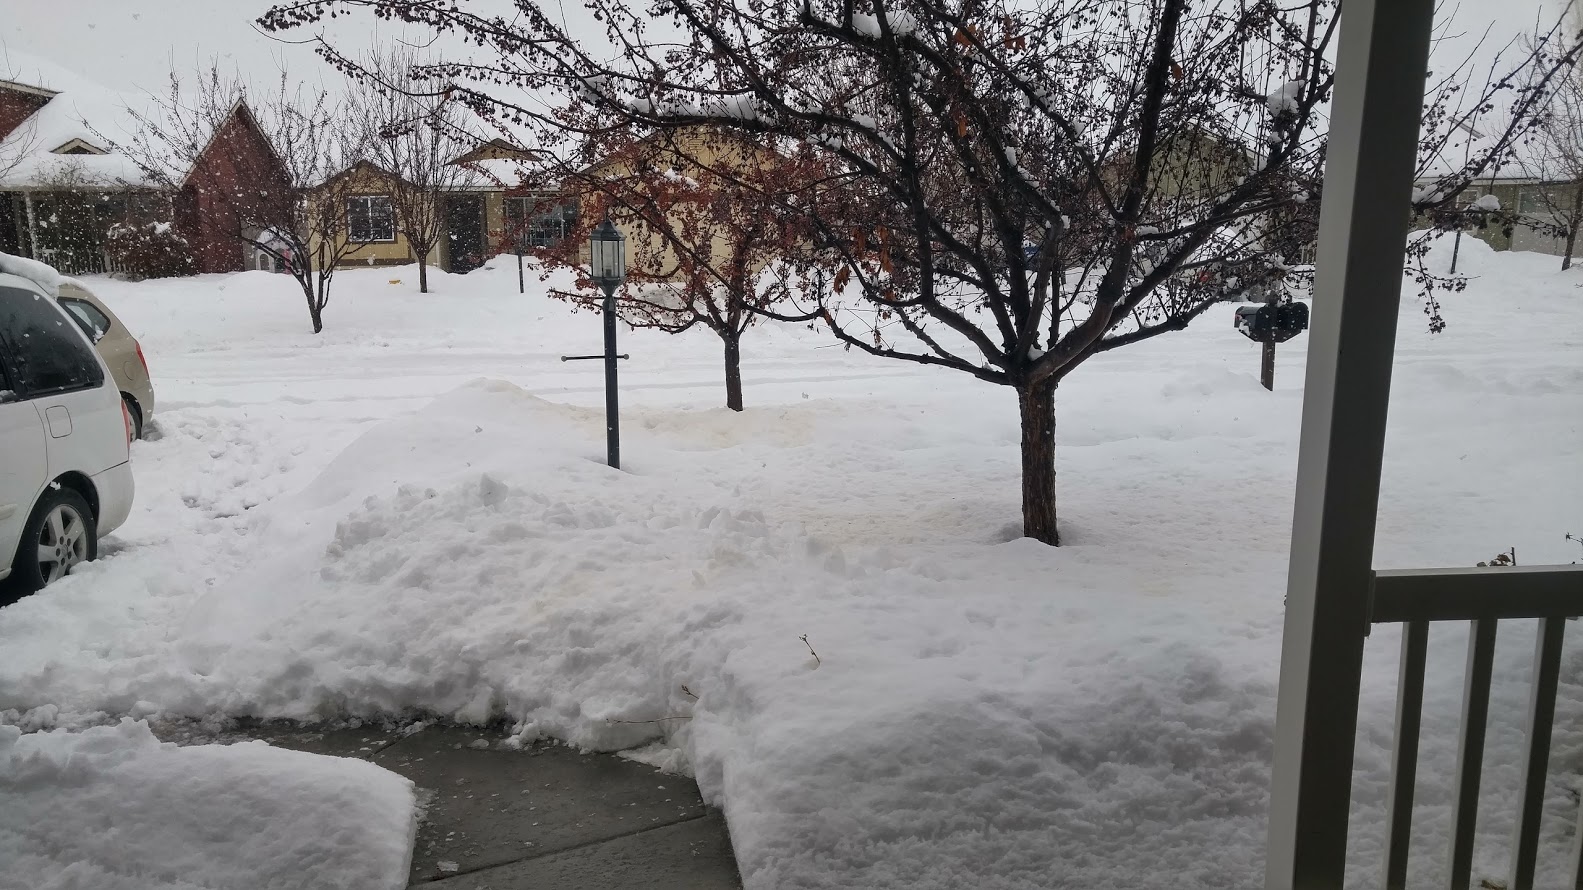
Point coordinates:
pixel 76 113
pixel 239 109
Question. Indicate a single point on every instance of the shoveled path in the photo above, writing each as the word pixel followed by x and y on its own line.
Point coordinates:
pixel 544 817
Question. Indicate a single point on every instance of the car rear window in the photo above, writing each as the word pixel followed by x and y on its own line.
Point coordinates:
pixel 45 352
pixel 94 323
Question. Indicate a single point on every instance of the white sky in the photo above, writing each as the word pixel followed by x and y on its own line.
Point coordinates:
pixel 132 45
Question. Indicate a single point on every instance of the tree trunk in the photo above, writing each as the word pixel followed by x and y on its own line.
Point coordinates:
pixel 1572 225
pixel 733 343
pixel 423 275
pixel 1037 404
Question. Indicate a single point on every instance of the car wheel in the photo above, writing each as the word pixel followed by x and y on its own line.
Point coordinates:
pixel 60 533
pixel 136 414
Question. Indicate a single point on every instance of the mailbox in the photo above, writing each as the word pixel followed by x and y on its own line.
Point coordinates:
pixel 1272 322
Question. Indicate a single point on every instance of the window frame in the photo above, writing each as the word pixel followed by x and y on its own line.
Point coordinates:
pixel 368 218
pixel 11 354
pixel 542 222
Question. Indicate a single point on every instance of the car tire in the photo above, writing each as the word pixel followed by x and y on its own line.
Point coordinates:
pixel 62 522
pixel 136 414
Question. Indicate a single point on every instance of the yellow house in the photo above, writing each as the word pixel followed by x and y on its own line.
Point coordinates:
pixel 369 234
pixel 480 210
pixel 490 210
pixel 682 159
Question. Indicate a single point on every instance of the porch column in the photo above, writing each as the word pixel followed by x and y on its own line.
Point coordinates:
pixel 1382 58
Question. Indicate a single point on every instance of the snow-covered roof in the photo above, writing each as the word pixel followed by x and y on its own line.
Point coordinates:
pixel 81 114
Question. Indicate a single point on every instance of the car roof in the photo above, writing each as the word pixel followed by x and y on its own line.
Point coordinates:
pixel 27 284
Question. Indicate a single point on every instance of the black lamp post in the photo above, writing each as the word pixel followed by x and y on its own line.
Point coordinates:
pixel 607 260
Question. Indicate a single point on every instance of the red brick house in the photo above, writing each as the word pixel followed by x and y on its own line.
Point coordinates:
pixel 237 177
pixel 63 182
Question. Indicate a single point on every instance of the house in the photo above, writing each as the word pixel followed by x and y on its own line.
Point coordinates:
pixel 674 171
pixel 486 209
pixel 235 178
pixel 1539 228
pixel 61 184
pixel 64 182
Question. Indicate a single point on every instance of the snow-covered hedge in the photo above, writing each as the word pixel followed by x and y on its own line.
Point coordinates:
pixel 149 250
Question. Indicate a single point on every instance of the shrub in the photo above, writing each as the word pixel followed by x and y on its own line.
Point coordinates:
pixel 149 250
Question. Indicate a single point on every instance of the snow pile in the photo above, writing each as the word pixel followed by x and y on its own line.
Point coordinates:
pixel 113 808
pixel 354 525
pixel 42 274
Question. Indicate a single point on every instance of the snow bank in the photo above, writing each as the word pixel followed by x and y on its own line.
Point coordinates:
pixel 113 808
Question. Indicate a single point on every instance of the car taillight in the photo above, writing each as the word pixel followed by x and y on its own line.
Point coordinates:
pixel 126 418
pixel 140 357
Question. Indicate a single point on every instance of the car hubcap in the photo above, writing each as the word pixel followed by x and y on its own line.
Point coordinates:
pixel 62 543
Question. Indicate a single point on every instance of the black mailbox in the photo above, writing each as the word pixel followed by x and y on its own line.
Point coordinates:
pixel 1272 322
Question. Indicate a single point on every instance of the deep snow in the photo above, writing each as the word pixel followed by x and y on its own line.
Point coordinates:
pixel 410 514
pixel 113 808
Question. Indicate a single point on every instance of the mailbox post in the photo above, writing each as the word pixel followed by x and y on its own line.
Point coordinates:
pixel 1276 321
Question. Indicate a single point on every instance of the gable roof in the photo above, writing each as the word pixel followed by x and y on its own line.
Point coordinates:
pixel 239 110
pixel 74 109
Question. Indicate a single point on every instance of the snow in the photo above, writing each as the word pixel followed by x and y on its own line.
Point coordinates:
pixel 1487 202
pixel 1283 100
pixel 42 274
pixel 80 108
pixel 410 514
pixel 901 23
pixel 739 107
pixel 113 808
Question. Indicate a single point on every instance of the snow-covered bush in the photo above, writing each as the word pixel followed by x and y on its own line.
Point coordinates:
pixel 149 250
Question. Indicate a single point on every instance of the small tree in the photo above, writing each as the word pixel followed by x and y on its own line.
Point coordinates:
pixel 291 203
pixel 706 239
pixel 414 133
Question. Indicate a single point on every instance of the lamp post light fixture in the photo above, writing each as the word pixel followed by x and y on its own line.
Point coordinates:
pixel 607 262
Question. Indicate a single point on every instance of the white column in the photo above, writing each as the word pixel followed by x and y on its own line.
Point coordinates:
pixel 1382 57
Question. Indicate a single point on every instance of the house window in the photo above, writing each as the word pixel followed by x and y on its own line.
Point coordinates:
pixel 370 218
pixel 1530 202
pixel 540 221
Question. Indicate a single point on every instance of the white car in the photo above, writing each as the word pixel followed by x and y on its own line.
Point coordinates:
pixel 65 440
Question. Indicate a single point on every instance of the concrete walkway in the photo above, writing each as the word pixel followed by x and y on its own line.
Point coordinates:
pixel 544 817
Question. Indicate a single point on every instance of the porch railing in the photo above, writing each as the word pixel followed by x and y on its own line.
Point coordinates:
pixel 1483 597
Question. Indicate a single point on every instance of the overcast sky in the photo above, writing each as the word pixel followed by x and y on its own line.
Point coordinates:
pixel 132 44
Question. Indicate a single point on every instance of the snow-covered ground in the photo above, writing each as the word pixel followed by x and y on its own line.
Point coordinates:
pixel 112 808
pixel 409 514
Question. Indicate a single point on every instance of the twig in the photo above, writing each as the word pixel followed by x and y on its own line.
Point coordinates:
pixel 816 661
pixel 689 693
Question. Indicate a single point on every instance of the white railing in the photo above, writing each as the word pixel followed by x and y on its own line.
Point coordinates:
pixel 1483 597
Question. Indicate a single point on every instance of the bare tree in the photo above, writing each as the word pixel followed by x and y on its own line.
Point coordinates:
pixel 1554 159
pixel 705 237
pixel 289 201
pixel 17 146
pixel 1015 187
pixel 413 132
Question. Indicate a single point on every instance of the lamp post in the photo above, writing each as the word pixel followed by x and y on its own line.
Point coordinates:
pixel 607 261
